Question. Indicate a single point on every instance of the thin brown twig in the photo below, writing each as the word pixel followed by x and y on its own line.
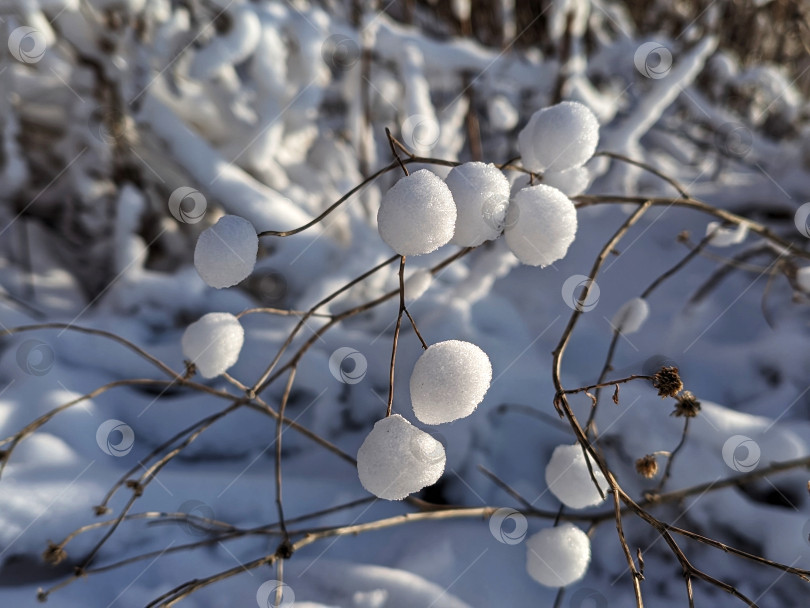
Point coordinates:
pixel 192 431
pixel 637 576
pixel 262 382
pixel 34 425
pixel 505 487
pixel 395 341
pixel 649 168
pixel 279 422
pixel 585 200
pixel 283 312
pixel 681 264
pixel 672 454
pixel 581 389
pixel 391 141
pixel 561 402
pixel 96 332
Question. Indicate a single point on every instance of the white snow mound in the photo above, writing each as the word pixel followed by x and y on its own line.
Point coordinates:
pixel 631 316
pixel 417 284
pixel 417 215
pixel 569 480
pixel 448 381
pixel 540 226
pixel 559 137
pixel 559 556
pixel 397 459
pixel 803 278
pixel 481 192
pixel 213 343
pixel 226 252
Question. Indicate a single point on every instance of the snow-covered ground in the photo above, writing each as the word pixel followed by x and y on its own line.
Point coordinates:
pixel 145 141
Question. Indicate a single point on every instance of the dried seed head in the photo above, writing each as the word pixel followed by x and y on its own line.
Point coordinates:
pixel 54 554
pixel 135 486
pixel 687 406
pixel 668 382
pixel 647 466
pixel 100 510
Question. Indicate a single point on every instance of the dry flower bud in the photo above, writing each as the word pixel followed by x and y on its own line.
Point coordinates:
pixel 647 466
pixel 54 554
pixel 668 382
pixel 687 406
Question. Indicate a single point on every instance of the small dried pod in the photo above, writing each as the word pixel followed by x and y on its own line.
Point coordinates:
pixel 687 406
pixel 647 466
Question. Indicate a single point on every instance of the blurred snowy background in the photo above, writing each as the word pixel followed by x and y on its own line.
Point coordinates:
pixel 129 126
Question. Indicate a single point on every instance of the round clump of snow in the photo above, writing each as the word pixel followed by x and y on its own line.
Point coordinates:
pixel 397 459
pixel 226 252
pixel 448 381
pixel 417 215
pixel 570 182
pixel 558 137
pixel 559 556
pixel 631 316
pixel 213 343
pixel 540 225
pixel 569 480
pixel 481 193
